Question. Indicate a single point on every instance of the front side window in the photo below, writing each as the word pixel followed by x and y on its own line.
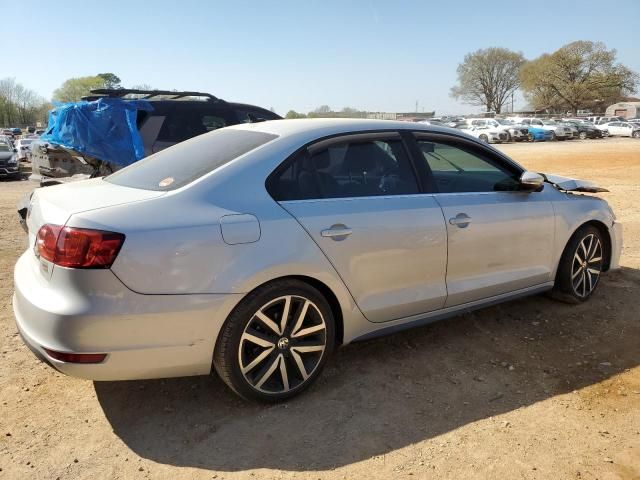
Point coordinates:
pixel 347 169
pixel 456 170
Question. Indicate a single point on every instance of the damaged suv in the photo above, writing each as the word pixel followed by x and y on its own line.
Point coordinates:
pixel 162 119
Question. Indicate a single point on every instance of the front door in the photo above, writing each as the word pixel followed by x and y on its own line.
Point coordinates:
pixel 500 239
pixel 358 198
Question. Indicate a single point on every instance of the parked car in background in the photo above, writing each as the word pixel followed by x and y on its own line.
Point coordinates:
pixel 16 131
pixel 9 167
pixel 623 129
pixel 174 118
pixel 256 250
pixel 517 132
pixel 603 120
pixel 584 129
pixel 514 132
pixel 486 134
pixel 537 134
pixel 559 132
pixel 23 147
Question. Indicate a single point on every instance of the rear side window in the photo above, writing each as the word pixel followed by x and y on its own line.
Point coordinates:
pixel 255 115
pixel 184 123
pixel 346 170
pixel 176 167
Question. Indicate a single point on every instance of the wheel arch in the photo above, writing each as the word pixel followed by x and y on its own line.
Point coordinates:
pixel 325 291
pixel 606 236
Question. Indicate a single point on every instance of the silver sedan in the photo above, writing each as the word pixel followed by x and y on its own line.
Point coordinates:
pixel 255 250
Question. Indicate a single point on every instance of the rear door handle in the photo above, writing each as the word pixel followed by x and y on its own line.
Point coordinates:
pixel 337 232
pixel 462 220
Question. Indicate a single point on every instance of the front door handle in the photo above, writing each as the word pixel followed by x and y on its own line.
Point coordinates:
pixel 337 232
pixel 462 220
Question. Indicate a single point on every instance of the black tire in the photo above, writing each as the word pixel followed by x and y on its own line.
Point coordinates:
pixel 553 136
pixel 583 135
pixel 577 279
pixel 233 347
pixel 483 138
pixel 636 134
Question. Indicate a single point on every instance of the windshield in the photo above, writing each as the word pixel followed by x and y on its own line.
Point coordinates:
pixel 175 167
pixel 549 122
pixel 504 122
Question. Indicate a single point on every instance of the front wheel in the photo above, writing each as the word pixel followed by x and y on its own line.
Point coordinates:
pixel 276 342
pixel 583 135
pixel 636 134
pixel 581 265
pixel 484 138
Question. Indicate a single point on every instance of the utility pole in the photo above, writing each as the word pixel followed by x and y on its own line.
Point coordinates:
pixel 416 110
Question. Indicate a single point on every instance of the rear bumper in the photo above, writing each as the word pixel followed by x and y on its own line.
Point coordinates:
pixel 91 311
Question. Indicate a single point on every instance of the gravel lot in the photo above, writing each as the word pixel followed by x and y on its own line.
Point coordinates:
pixel 531 389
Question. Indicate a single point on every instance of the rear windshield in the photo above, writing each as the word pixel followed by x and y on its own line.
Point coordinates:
pixel 178 166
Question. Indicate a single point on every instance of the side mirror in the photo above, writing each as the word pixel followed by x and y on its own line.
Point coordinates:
pixel 531 181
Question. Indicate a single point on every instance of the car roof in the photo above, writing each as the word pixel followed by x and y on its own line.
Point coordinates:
pixel 320 127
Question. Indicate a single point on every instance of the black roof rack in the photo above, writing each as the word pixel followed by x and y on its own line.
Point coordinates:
pixel 147 94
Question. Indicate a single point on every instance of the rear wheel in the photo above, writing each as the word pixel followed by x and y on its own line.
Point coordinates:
pixel 581 265
pixel 484 138
pixel 553 136
pixel 636 134
pixel 276 342
pixel 583 135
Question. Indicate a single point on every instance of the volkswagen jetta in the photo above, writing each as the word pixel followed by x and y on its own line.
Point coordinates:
pixel 256 249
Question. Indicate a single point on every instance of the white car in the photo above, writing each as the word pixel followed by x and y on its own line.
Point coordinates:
pixel 487 134
pixel 560 132
pixel 622 129
pixel 23 147
pixel 514 132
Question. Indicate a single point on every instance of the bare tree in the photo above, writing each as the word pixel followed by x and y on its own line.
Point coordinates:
pixel 488 77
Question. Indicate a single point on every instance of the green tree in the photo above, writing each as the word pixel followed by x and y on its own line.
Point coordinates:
pixel 579 75
pixel 74 89
pixel 293 114
pixel 111 80
pixel 488 77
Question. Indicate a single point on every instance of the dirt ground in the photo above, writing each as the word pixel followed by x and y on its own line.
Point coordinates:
pixel 532 389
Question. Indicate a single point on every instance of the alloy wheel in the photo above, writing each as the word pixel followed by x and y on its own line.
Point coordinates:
pixel 587 265
pixel 282 344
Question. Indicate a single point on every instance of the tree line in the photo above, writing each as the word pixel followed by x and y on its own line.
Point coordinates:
pixel 21 106
pixel 579 76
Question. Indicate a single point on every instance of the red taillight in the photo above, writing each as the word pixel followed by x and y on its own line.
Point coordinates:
pixel 76 357
pixel 78 247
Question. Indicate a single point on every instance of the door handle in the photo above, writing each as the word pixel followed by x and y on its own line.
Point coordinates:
pixel 337 232
pixel 462 220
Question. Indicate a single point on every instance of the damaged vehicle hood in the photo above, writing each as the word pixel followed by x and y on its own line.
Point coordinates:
pixel 573 184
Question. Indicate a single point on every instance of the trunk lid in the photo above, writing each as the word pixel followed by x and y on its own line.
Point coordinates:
pixel 57 203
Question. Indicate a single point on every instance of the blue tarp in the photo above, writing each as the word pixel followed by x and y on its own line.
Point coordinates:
pixel 104 129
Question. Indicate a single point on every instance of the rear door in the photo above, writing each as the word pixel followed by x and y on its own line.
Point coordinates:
pixel 359 199
pixel 500 239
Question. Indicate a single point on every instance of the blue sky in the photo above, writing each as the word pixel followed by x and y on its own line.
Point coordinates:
pixel 371 55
